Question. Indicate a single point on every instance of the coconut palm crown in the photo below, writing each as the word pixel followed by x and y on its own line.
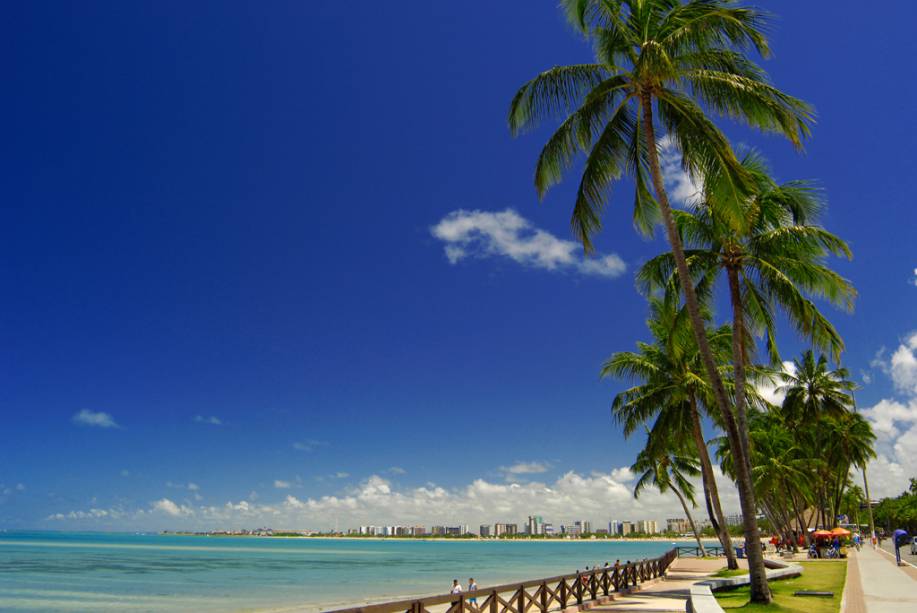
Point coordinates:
pixel 686 58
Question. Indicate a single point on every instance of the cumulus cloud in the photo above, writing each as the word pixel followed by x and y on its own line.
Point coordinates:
pixel 484 234
pixel 514 471
pixel 681 187
pixel 172 509
pixel 894 421
pixel 903 366
pixel 96 419
pixel 598 496
pixel 213 420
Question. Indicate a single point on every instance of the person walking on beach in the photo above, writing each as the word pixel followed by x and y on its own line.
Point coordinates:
pixel 472 587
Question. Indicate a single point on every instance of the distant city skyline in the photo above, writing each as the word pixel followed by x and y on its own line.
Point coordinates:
pixel 291 270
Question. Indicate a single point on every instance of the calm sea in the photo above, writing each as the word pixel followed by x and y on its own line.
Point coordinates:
pixel 56 571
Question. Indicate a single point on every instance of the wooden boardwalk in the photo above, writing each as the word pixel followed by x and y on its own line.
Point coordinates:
pixel 669 594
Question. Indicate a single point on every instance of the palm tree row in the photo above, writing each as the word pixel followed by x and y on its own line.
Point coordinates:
pixel 661 67
pixel 803 451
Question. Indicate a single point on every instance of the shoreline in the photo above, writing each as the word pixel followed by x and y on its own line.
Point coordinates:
pixel 399 539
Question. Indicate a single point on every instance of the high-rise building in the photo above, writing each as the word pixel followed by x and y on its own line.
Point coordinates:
pixel 614 527
pixel 678 525
pixel 549 529
pixel 647 526
pixel 534 525
pixel 484 531
pixel 438 530
pixel 582 526
pixel 626 528
pixel 505 530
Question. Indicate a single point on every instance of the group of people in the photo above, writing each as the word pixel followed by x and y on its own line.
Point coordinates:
pixel 472 587
pixel 457 588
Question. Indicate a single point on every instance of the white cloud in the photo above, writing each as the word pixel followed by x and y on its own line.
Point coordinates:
pixel 95 419
pixel 894 421
pixel 598 496
pixel 20 487
pixel 903 366
pixel 397 470
pixel 309 445
pixel 524 468
pixel 680 186
pixel 281 485
pixel 771 390
pixel 170 508
pixel 914 278
pixel 341 474
pixel 193 487
pixel 483 234
pixel 213 420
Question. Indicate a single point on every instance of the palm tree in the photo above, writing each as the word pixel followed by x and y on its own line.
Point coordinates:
pixel 852 442
pixel 670 388
pixel 771 264
pixel 657 62
pixel 662 464
pixel 814 393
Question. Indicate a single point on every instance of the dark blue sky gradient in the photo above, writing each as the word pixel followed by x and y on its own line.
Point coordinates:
pixel 223 208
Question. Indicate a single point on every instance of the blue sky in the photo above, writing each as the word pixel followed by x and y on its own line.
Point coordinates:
pixel 220 267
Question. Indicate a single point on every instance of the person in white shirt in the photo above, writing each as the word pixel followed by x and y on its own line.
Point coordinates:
pixel 456 589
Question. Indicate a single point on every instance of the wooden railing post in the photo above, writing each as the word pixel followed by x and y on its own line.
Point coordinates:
pixel 544 597
pixel 493 602
pixel 563 593
pixel 579 589
pixel 521 605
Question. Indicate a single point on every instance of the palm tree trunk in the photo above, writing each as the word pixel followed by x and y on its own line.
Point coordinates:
pixel 760 593
pixel 711 491
pixel 757 572
pixel 684 505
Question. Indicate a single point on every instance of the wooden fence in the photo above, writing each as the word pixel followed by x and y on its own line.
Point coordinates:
pixel 541 595
pixel 695 552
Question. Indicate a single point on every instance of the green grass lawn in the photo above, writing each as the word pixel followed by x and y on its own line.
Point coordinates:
pixel 725 572
pixel 817 576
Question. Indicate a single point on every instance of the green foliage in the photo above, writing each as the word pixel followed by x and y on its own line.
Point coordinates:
pixel 899 512
pixel 685 57
pixel 770 238
pixel 803 451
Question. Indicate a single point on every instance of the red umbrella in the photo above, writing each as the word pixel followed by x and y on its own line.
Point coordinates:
pixel 822 534
pixel 840 532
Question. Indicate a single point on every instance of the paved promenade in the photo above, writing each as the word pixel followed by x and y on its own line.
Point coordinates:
pixel 876 585
pixel 670 594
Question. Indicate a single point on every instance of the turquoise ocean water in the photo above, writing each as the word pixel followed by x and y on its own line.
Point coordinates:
pixel 57 571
